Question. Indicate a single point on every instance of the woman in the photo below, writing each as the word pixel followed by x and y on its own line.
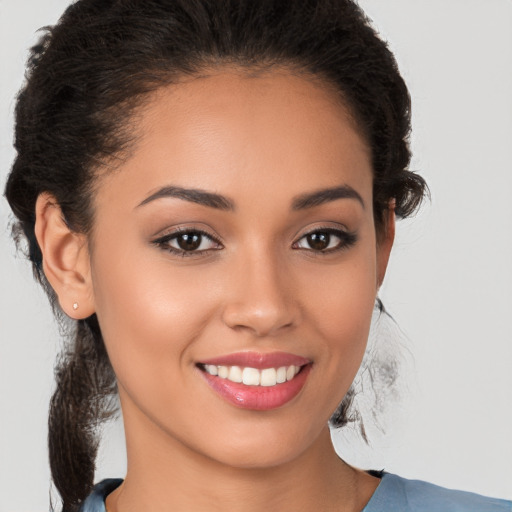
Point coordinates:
pixel 217 271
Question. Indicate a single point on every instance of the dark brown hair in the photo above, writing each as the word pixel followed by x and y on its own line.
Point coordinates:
pixel 85 78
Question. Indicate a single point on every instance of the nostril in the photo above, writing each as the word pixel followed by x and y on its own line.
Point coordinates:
pixel 261 299
pixel 261 320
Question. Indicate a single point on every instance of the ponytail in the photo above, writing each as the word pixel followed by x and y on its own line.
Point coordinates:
pixel 83 399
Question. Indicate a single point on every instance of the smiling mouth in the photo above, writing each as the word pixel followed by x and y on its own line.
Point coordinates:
pixel 266 377
pixel 256 381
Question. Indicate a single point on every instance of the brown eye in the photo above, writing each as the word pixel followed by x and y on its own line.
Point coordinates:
pixel 326 240
pixel 189 241
pixel 318 241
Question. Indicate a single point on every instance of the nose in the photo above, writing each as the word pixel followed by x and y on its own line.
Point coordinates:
pixel 262 299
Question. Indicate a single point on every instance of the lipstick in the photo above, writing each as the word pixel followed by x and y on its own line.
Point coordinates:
pixel 257 381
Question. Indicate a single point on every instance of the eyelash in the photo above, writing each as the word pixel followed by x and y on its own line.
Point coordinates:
pixel 347 240
pixel 164 241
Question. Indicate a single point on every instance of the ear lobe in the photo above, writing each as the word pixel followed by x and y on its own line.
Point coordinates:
pixel 385 243
pixel 65 259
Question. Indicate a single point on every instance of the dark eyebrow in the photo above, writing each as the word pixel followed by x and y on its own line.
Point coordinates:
pixel 193 195
pixel 325 195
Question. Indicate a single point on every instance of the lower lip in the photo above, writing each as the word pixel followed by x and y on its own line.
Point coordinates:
pixel 258 398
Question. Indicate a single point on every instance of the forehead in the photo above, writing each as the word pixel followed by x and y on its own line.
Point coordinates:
pixel 233 132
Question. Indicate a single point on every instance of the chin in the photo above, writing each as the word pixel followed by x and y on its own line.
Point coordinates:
pixel 265 446
pixel 259 459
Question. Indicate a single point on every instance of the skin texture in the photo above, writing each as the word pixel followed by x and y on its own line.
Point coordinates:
pixel 260 141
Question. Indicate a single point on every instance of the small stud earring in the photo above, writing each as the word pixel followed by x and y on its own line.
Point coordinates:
pixel 75 306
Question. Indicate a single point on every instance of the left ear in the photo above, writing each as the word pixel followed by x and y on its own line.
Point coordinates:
pixel 385 242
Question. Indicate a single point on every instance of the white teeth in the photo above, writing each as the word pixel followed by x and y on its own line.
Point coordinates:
pixel 268 377
pixel 235 374
pixel 253 377
pixel 212 369
pixel 281 375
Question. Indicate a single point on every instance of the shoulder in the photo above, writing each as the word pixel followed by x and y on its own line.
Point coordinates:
pixel 95 502
pixel 402 495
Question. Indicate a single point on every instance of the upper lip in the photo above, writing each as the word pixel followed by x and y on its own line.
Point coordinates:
pixel 257 360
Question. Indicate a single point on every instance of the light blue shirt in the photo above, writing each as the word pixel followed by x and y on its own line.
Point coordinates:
pixel 394 494
pixel 397 494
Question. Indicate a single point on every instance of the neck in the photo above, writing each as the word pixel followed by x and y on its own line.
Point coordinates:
pixel 165 475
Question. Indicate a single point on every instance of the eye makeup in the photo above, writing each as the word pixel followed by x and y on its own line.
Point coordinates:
pixel 188 242
pixel 194 242
pixel 326 240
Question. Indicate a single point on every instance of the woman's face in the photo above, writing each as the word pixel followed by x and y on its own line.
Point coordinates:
pixel 238 233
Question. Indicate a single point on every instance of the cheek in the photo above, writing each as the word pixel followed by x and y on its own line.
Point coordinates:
pixel 349 309
pixel 342 306
pixel 342 298
pixel 149 315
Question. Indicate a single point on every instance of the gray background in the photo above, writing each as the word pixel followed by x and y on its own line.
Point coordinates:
pixel 448 285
